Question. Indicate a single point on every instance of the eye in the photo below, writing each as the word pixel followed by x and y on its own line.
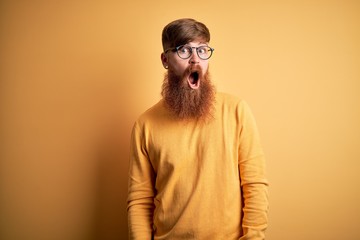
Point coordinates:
pixel 203 50
pixel 184 50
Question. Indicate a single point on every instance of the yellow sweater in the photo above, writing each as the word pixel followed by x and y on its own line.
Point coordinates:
pixel 190 180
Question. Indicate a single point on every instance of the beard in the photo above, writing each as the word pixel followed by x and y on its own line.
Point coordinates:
pixel 185 102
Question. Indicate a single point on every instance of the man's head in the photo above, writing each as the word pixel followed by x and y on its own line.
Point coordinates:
pixel 187 89
pixel 182 31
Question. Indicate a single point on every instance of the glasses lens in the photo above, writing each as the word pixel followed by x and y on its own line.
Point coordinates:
pixel 184 51
pixel 204 52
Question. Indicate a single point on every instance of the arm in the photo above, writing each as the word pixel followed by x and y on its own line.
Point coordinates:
pixel 140 204
pixel 253 180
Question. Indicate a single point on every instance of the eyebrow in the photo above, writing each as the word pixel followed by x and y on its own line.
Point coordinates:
pixel 200 45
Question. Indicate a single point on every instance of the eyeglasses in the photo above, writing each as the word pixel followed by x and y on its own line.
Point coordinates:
pixel 185 51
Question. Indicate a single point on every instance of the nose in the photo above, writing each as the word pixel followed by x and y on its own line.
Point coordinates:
pixel 194 58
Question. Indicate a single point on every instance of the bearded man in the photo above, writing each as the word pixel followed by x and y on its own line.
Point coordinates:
pixel 197 169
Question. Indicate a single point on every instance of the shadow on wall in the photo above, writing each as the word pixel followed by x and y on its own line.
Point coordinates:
pixel 111 153
pixel 110 220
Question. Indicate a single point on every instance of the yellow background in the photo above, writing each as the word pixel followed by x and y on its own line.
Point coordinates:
pixel 74 76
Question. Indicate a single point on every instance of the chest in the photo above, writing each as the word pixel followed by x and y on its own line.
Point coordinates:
pixel 184 147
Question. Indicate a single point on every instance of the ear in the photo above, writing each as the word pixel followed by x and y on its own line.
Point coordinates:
pixel 164 60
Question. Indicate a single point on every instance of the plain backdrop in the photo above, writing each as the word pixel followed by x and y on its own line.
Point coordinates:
pixel 75 75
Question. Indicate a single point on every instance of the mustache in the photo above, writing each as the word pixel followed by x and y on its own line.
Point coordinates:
pixel 194 68
pixel 180 79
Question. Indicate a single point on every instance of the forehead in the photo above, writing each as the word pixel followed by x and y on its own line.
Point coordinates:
pixel 197 42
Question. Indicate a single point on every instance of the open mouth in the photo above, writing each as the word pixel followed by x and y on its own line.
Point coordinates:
pixel 194 80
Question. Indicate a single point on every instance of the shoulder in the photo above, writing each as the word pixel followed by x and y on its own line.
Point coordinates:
pixel 225 99
pixel 232 106
pixel 153 115
pixel 153 110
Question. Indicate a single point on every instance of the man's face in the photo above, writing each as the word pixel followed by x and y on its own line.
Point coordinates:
pixel 187 88
pixel 192 69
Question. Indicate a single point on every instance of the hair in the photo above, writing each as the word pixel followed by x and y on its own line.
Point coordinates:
pixel 186 103
pixel 182 31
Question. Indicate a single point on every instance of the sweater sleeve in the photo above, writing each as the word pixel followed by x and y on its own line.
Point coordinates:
pixel 253 180
pixel 140 202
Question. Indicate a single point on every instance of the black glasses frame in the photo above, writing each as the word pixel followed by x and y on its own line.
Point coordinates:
pixel 176 49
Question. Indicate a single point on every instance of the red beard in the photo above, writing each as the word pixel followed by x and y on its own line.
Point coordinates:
pixel 187 103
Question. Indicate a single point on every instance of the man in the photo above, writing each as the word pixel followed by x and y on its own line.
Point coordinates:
pixel 196 166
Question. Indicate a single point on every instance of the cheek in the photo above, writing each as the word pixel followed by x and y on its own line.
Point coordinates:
pixel 179 68
pixel 205 67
